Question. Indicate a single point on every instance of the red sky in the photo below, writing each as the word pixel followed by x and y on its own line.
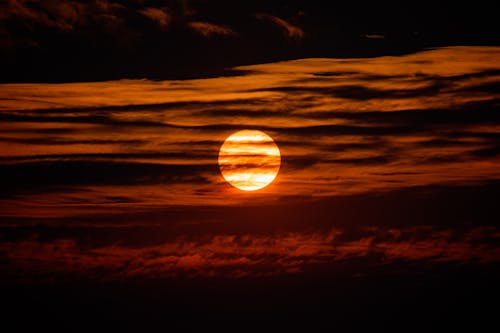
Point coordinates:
pixel 113 208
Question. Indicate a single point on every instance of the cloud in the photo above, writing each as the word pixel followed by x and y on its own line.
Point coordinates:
pixel 83 172
pixel 364 93
pixel 61 15
pixel 206 29
pixel 232 255
pixel 160 16
pixel 374 36
pixel 34 22
pixel 101 15
pixel 289 30
pixel 343 126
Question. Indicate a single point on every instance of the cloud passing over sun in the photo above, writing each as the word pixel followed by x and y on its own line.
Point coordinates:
pixel 371 129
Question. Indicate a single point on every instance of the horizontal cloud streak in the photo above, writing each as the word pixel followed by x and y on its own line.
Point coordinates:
pixel 289 30
pixel 209 29
pixel 250 254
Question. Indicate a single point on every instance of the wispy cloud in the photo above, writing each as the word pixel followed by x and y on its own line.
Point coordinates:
pixel 374 36
pixel 343 126
pixel 289 30
pixel 233 255
pixel 61 15
pixel 210 29
pixel 160 16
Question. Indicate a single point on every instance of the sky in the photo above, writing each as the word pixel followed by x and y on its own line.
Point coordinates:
pixel 114 212
pixel 72 40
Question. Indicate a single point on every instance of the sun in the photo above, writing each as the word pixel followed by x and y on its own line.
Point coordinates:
pixel 249 160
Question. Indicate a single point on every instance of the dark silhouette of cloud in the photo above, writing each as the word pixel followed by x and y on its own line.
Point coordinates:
pixel 374 36
pixel 110 39
pixel 255 255
pixel 68 172
pixel 289 30
pixel 361 93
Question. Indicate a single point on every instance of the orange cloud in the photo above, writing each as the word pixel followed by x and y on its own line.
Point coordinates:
pixel 342 126
pixel 291 31
pixel 209 29
pixel 158 15
pixel 248 255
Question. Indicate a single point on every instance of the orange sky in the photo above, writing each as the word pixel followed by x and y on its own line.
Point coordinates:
pixel 343 126
pixel 310 165
pixel 384 160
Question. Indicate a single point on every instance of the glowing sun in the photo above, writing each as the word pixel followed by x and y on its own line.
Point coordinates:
pixel 249 160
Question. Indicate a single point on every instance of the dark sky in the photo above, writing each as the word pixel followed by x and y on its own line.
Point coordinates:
pixel 52 41
pixel 114 214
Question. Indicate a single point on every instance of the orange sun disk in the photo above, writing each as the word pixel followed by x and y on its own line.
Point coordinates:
pixel 249 160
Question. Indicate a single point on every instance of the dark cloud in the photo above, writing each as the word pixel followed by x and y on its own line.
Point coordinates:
pixel 318 130
pixel 491 87
pixel 362 93
pixel 492 151
pixel 374 36
pixel 374 160
pixel 67 172
pixel 334 74
pixel 106 39
pixel 243 255
pixel 289 30
pixel 471 113
pixel 61 15
pixel 491 72
pixel 445 143
pixel 59 141
pixel 159 107
pixel 191 154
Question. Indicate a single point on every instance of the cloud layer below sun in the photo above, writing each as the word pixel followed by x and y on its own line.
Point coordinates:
pixel 249 254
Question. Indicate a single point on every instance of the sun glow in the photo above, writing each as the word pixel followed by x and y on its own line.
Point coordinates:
pixel 249 160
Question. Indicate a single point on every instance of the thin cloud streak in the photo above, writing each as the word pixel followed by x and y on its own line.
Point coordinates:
pixel 209 29
pixel 289 30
